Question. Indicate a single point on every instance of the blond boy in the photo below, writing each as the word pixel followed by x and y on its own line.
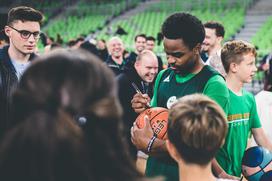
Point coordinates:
pixel 238 58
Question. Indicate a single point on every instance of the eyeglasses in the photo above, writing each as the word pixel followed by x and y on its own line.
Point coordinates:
pixel 26 34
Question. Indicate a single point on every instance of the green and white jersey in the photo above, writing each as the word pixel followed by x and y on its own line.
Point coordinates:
pixel 242 117
pixel 168 88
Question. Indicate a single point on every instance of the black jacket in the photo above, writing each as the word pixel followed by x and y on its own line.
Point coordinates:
pixel 8 84
pixel 116 68
pixel 131 60
pixel 126 93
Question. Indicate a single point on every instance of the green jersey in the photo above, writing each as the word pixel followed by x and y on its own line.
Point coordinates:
pixel 168 88
pixel 242 117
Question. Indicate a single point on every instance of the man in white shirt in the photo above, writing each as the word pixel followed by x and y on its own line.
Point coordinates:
pixel 214 35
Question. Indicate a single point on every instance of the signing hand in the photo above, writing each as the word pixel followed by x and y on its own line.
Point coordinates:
pixel 140 102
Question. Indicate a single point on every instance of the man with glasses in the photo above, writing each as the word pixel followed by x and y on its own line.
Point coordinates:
pixel 23 31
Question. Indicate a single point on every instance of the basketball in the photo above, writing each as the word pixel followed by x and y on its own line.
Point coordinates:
pixel 257 164
pixel 158 117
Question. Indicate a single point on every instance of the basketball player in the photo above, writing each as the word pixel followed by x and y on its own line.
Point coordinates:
pixel 183 36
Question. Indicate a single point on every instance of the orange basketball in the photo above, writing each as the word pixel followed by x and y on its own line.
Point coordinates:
pixel 158 117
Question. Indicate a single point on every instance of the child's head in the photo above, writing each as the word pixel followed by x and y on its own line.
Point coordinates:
pixel 236 51
pixel 196 130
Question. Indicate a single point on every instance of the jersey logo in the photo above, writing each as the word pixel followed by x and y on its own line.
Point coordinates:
pixel 167 79
pixel 171 101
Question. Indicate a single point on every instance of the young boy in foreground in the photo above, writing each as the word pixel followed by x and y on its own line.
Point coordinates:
pixel 196 130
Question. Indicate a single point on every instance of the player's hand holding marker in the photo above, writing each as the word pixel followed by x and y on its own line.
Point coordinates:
pixel 140 101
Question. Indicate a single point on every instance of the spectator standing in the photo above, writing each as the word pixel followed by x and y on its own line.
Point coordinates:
pixel 140 45
pixel 141 76
pixel 23 30
pixel 115 59
pixel 238 58
pixel 150 45
pixel 214 35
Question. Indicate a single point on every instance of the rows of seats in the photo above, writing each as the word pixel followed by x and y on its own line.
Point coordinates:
pixel 263 41
pixel 149 21
pixel 84 18
pixel 263 38
pixel 73 26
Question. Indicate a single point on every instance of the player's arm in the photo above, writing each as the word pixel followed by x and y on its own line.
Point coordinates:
pixel 140 102
pixel 143 139
pixel 261 138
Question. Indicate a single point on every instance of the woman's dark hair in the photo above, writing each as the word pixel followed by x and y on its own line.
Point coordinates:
pixel 44 147
pixel 79 85
pixel 74 81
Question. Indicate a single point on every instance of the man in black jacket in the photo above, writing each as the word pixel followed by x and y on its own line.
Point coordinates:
pixel 139 78
pixel 23 31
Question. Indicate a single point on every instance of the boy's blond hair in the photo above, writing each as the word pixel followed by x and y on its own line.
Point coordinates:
pixel 232 51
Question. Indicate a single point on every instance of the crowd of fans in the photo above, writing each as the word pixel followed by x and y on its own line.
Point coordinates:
pixel 68 113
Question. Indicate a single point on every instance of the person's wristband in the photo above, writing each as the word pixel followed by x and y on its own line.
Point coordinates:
pixel 152 140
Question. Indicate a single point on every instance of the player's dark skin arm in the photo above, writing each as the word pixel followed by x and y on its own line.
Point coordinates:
pixel 140 102
pixel 140 137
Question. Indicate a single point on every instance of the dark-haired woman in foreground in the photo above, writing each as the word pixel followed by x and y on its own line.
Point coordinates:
pixel 57 96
